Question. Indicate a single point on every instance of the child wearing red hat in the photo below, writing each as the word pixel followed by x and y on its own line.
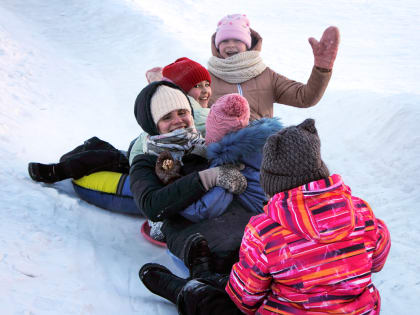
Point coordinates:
pixel 189 75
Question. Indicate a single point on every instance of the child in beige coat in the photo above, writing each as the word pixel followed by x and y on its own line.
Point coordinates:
pixel 237 67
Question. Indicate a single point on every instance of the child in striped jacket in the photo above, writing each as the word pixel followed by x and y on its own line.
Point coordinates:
pixel 314 248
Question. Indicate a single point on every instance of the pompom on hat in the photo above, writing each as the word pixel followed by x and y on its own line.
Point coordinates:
pixel 292 158
pixel 233 26
pixel 186 73
pixel 228 114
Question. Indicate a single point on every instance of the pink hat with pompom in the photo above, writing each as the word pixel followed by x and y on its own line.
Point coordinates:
pixel 228 114
pixel 234 26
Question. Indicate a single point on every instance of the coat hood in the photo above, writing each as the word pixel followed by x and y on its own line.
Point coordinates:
pixel 321 210
pixel 238 145
pixel 142 105
pixel 256 43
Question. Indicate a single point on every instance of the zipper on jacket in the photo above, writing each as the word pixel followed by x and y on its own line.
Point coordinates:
pixel 239 89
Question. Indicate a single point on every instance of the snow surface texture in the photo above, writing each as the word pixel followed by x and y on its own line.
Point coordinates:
pixel 70 70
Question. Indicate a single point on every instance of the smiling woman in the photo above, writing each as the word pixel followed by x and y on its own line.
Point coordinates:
pixel 163 111
pixel 194 80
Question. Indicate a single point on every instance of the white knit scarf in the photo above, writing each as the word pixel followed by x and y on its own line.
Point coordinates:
pixel 237 68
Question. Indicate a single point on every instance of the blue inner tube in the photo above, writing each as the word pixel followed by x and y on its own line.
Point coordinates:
pixel 108 190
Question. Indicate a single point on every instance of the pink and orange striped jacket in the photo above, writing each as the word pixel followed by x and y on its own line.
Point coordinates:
pixel 312 251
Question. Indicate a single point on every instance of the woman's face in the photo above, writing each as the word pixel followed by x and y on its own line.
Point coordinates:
pixel 179 118
pixel 230 47
pixel 201 92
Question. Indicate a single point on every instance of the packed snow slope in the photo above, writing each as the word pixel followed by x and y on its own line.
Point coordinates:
pixel 70 70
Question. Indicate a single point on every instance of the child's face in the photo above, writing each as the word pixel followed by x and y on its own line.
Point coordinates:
pixel 177 119
pixel 201 92
pixel 230 47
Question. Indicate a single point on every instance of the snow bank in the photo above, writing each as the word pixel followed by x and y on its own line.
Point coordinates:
pixel 70 70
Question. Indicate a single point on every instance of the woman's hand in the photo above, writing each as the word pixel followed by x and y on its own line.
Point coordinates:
pixel 226 176
pixel 154 74
pixel 326 49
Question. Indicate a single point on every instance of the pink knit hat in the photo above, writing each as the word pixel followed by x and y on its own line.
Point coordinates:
pixel 234 26
pixel 229 113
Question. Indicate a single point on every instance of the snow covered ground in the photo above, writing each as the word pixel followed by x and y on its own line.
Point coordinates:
pixel 71 69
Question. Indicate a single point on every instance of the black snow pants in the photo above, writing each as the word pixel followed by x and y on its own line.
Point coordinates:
pixel 224 235
pixel 92 156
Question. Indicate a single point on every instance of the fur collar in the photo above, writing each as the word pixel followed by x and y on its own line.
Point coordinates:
pixel 247 141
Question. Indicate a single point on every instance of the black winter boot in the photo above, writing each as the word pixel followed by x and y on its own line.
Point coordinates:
pixel 161 281
pixel 201 297
pixel 47 173
pixel 197 256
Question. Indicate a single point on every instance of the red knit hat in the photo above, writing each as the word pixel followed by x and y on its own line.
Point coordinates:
pixel 228 114
pixel 186 73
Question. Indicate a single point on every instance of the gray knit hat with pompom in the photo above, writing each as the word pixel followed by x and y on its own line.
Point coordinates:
pixel 291 158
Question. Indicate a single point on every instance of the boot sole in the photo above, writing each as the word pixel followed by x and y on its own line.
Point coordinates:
pixel 33 170
pixel 150 267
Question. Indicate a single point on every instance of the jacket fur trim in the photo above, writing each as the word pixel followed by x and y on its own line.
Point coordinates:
pixel 236 145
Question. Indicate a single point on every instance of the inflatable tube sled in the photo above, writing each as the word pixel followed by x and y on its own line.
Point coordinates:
pixel 108 190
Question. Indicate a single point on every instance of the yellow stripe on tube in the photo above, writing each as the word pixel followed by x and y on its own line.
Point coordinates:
pixel 100 181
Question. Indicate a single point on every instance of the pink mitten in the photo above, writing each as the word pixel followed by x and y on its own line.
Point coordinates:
pixel 154 74
pixel 326 49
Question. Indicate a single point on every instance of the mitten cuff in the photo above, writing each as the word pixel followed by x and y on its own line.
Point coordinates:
pixel 208 177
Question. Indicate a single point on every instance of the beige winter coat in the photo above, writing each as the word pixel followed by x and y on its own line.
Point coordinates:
pixel 270 87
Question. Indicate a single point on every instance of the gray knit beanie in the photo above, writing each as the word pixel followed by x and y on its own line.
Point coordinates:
pixel 291 158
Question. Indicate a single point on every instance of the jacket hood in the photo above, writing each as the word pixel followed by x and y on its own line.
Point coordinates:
pixel 256 43
pixel 321 210
pixel 247 141
pixel 142 110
